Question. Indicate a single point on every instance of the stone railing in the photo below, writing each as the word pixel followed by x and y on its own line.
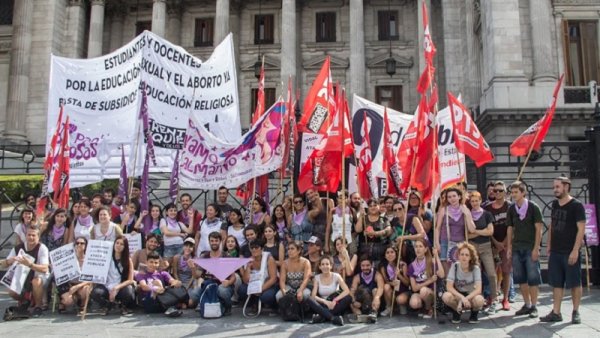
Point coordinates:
pixel 582 94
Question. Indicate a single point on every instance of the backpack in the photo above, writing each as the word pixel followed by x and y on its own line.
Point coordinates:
pixel 289 308
pixel 210 305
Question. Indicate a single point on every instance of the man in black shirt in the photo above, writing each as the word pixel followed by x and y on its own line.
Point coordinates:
pixel 564 241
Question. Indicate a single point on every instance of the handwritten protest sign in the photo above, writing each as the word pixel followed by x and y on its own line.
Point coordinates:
pixel 98 257
pixel 64 264
pixel 135 242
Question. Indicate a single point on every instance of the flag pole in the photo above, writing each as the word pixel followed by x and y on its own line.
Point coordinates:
pixel 535 137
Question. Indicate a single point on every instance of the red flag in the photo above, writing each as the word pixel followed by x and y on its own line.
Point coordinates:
pixel 426 78
pixel 48 164
pixel 407 150
pixel 528 139
pixel 421 176
pixel 60 182
pixel 390 163
pixel 339 137
pixel 319 104
pixel 364 174
pixel 287 128
pixel 428 46
pixel 467 137
pixel 260 96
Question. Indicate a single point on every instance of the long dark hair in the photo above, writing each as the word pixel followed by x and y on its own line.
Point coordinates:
pixel 52 220
pixel 124 260
pixel 274 220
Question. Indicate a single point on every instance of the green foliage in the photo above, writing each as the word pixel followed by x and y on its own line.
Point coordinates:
pixel 16 186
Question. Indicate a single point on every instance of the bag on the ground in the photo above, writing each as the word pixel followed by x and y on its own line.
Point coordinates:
pixel 289 308
pixel 172 296
pixel 209 305
pixel 16 312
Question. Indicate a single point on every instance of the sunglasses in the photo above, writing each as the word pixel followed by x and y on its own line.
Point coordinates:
pixel 80 243
pixel 499 190
pixel 398 209
pixel 298 202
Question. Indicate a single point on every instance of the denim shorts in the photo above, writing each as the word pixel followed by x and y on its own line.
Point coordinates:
pixel 172 250
pixel 525 270
pixel 562 275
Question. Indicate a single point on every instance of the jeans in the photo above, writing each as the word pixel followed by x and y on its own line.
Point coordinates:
pixel 126 296
pixel 267 297
pixel 525 270
pixel 339 308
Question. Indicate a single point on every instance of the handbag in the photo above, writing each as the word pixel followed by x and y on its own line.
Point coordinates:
pixel 172 296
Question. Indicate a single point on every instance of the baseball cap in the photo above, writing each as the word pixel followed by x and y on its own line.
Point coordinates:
pixel 315 240
pixel 189 240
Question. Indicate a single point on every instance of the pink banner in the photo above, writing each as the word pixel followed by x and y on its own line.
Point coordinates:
pixel 591 225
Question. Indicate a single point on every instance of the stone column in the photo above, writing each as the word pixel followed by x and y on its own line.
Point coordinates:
pixel 288 41
pixel 96 28
pixel 18 79
pixel 75 29
pixel 221 21
pixel 420 32
pixel 116 29
pixel 540 14
pixel 159 17
pixel 174 31
pixel 357 48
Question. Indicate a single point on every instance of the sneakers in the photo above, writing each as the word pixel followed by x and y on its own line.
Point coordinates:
pixel 523 311
pixel 492 308
pixel 173 312
pixel 575 318
pixel 317 319
pixel 337 320
pixel 36 312
pixel 533 312
pixel 455 317
pixel 428 314
pixel 505 305
pixel 372 317
pixel 473 318
pixel 551 318
pixel 386 312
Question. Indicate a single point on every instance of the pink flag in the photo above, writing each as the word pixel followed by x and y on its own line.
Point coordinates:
pixel 221 268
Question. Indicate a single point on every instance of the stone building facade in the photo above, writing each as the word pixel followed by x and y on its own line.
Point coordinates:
pixel 503 56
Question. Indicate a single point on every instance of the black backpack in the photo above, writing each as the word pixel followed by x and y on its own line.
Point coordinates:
pixel 290 309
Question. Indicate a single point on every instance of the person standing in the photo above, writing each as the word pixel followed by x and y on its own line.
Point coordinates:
pixel 524 220
pixel 564 241
pixel 499 209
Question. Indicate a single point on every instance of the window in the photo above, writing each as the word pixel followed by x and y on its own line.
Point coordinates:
pixel 269 99
pixel 389 96
pixel 263 29
pixel 6 12
pixel 203 35
pixel 325 27
pixel 581 52
pixel 142 26
pixel 388 25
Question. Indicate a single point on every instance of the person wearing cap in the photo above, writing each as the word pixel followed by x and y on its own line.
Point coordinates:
pixel 564 243
pixel 314 252
pixel 264 268
pixel 185 271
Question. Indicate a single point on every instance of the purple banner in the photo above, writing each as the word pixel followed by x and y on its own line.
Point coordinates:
pixel 591 225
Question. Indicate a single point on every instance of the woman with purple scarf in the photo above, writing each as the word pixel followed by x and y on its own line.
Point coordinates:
pixel 481 240
pixel 56 232
pixel 83 223
pixel 453 222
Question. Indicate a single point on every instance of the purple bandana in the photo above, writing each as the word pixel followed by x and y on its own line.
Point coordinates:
pixel 338 211
pixel 85 221
pixel 299 217
pixel 171 222
pixel 454 212
pixel 391 271
pixel 522 211
pixel 368 278
pixel 256 217
pixel 476 214
pixel 58 232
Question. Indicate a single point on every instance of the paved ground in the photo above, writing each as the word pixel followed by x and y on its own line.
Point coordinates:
pixel 503 324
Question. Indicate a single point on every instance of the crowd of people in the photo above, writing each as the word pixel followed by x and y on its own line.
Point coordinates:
pixel 331 257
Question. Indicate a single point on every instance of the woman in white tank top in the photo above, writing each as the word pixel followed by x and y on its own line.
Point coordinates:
pixel 330 296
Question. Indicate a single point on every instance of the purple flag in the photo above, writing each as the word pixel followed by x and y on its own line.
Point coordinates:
pixel 174 185
pixel 146 125
pixel 221 267
pixel 123 178
pixel 144 193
